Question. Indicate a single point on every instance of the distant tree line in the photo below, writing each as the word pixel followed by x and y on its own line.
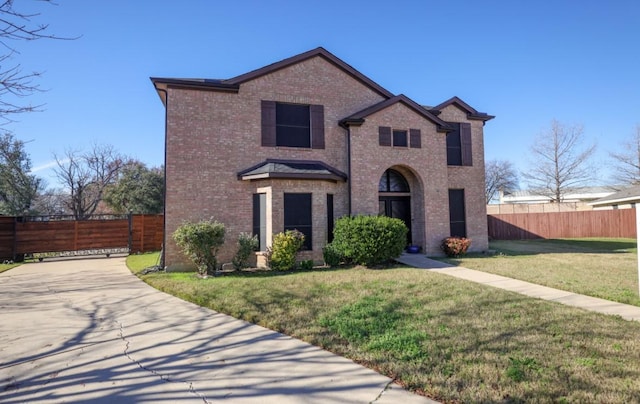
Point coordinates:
pixel 100 180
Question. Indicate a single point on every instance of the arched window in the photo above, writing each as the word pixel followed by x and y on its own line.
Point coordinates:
pixel 393 181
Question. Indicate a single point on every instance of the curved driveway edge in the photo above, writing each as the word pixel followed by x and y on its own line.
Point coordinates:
pixel 90 331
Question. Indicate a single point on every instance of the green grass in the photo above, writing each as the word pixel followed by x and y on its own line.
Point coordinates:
pixel 604 268
pixel 139 262
pixel 6 267
pixel 452 340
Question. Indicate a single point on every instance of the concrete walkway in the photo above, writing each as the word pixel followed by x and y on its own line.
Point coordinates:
pixel 89 331
pixel 625 311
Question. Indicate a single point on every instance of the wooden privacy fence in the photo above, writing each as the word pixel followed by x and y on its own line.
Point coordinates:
pixel 592 223
pixel 29 235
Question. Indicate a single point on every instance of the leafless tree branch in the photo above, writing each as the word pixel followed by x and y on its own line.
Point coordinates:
pixel 560 162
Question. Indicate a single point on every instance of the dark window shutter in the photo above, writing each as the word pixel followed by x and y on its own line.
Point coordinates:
pixel 415 140
pixel 317 126
pixel 384 135
pixel 465 140
pixel 268 123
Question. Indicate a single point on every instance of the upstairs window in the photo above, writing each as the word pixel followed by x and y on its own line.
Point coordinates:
pixel 292 125
pixel 459 145
pixel 400 138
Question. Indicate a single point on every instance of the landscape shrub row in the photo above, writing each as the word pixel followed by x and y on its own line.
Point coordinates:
pixel 358 240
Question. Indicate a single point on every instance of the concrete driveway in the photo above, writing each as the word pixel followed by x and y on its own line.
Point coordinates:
pixel 89 331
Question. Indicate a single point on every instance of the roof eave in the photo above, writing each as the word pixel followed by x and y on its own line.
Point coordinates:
pixel 165 83
pixel 289 176
pixel 629 199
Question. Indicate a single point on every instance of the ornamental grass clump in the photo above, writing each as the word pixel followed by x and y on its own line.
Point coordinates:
pixel 455 246
pixel 200 242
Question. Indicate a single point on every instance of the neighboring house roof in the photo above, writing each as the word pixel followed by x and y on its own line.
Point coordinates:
pixel 358 118
pixel 471 112
pixel 628 195
pixel 537 196
pixel 292 169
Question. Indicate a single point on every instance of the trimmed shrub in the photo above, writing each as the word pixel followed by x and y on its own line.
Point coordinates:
pixel 305 265
pixel 331 255
pixel 200 242
pixel 247 244
pixel 455 246
pixel 281 256
pixel 369 240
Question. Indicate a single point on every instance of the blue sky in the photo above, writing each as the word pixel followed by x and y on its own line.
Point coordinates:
pixel 525 62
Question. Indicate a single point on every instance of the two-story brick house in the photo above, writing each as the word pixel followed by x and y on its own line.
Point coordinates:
pixel 304 141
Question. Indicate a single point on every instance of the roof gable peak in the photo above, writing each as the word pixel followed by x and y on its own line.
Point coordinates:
pixel 471 112
pixel 317 52
pixel 359 117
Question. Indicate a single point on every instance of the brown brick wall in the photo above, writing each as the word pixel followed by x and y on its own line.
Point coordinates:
pixel 425 169
pixel 213 135
pixel 471 179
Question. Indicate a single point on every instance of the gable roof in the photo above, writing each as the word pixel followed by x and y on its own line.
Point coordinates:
pixel 358 118
pixel 233 84
pixel 321 52
pixel 292 169
pixel 627 195
pixel 472 113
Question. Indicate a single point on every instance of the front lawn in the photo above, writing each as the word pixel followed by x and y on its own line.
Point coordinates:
pixel 139 262
pixel 452 340
pixel 6 267
pixel 604 268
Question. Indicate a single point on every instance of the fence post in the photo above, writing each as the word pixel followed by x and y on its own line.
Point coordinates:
pixel 142 233
pixel 14 253
pixel 130 231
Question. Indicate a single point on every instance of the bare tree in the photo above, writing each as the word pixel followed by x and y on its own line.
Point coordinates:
pixel 499 175
pixel 87 175
pixel 627 161
pixel 51 202
pixel 560 161
pixel 14 83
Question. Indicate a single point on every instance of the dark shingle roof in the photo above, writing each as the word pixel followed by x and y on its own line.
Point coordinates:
pixel 292 169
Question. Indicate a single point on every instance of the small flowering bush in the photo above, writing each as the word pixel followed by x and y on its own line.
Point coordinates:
pixel 455 246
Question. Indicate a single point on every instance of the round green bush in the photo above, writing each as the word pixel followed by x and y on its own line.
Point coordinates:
pixel 369 240
pixel 200 243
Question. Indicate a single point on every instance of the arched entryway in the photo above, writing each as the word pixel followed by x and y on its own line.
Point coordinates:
pixel 394 198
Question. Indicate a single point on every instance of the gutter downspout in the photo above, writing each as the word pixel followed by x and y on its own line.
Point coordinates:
pixel 348 129
pixel 349 167
pixel 164 205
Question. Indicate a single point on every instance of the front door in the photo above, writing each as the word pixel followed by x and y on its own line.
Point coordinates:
pixel 398 207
